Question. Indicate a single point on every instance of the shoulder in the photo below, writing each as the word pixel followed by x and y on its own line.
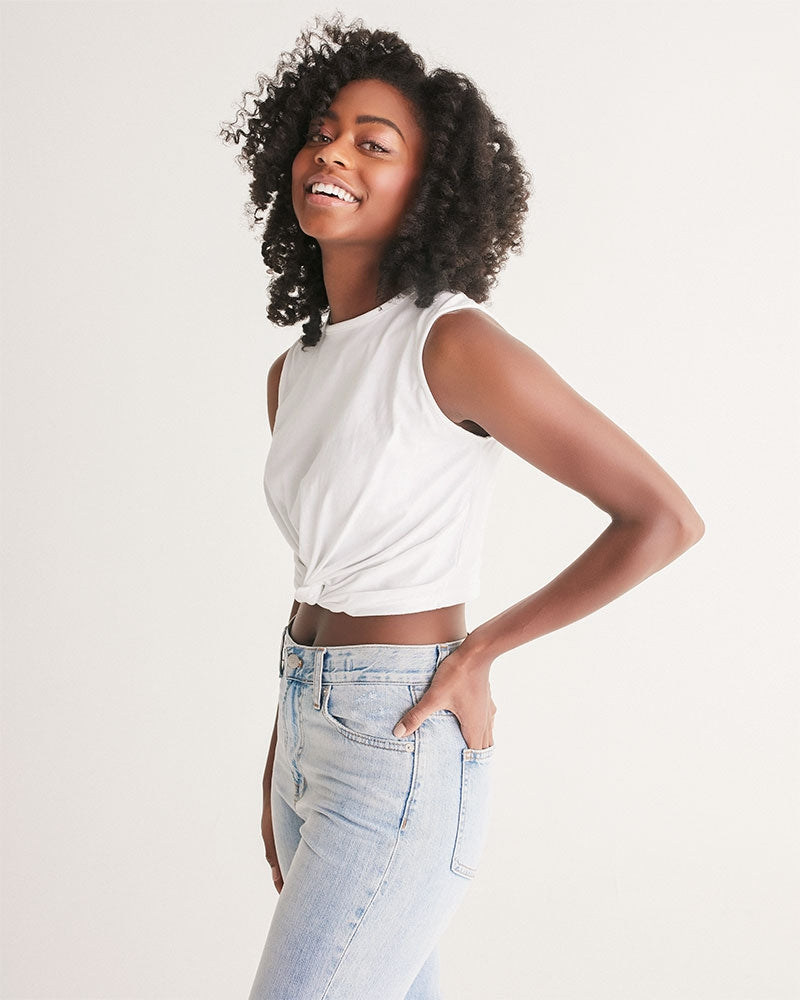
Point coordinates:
pixel 464 329
pixel 273 379
pixel 462 348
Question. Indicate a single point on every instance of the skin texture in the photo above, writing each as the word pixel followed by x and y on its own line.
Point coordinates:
pixel 380 167
pixel 483 376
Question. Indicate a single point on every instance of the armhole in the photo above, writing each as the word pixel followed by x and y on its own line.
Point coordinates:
pixel 462 432
pixel 283 378
pixel 281 382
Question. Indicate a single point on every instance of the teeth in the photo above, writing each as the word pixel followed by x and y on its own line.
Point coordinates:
pixel 332 189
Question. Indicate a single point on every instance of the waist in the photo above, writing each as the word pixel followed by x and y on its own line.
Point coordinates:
pixel 315 626
pixel 389 663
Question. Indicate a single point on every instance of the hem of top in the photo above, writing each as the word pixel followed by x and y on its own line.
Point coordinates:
pixel 402 611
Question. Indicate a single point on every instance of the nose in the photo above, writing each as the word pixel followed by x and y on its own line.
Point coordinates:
pixel 331 152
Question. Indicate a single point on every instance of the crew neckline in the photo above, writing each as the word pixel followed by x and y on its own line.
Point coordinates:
pixel 355 322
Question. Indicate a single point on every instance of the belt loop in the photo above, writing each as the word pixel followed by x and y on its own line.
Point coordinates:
pixel 319 656
pixel 283 651
pixel 285 639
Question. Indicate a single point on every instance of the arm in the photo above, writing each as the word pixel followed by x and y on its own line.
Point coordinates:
pixel 273 379
pixel 478 371
pixel 267 830
pixel 266 782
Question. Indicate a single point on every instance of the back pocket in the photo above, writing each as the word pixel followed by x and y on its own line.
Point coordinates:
pixel 473 816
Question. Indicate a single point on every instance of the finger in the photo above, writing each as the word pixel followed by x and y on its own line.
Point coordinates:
pixel 414 718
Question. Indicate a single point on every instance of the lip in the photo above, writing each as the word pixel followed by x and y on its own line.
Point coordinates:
pixel 325 201
pixel 329 179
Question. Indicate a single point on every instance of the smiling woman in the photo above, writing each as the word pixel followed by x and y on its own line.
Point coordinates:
pixel 360 107
pixel 372 168
pixel 388 418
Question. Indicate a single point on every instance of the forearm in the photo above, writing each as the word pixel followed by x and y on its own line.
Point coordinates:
pixel 267 779
pixel 625 554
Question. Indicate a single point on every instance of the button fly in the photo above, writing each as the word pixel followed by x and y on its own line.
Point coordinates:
pixel 293 660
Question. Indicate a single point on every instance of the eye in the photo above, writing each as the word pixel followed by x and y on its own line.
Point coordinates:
pixel 369 142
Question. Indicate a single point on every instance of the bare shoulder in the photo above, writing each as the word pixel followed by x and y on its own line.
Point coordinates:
pixel 273 378
pixel 465 329
pixel 458 344
pixel 477 370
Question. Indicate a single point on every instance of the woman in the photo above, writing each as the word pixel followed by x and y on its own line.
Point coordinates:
pixel 395 198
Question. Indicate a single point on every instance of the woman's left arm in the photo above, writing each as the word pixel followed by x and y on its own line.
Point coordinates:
pixel 478 371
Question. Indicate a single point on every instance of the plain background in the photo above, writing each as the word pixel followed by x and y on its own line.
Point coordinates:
pixel 644 840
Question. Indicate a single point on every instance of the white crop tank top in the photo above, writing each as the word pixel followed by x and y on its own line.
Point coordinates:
pixel 382 498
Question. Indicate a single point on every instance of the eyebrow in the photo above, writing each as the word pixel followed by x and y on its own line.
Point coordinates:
pixel 363 119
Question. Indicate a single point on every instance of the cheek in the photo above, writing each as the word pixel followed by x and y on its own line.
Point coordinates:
pixel 303 159
pixel 407 195
pixel 397 190
pixel 299 170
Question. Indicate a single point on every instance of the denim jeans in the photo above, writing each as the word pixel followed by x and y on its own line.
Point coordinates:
pixel 378 837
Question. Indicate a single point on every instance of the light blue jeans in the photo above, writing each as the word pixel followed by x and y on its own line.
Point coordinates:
pixel 378 837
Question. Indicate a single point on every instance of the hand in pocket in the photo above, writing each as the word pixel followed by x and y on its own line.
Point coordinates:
pixel 460 685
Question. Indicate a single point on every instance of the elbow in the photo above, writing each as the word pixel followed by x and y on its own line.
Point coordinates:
pixel 692 526
pixel 695 530
pixel 683 528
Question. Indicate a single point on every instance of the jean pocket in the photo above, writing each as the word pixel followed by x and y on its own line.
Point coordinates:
pixel 367 713
pixel 474 809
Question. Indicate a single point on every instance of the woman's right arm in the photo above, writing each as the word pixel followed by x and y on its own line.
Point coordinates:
pixel 267 833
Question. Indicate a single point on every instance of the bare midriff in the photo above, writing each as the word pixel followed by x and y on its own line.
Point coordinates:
pixel 314 625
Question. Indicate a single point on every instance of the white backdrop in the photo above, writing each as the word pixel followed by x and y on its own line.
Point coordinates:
pixel 643 844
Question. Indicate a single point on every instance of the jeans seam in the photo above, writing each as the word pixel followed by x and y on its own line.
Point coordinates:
pixel 417 749
pixel 363 915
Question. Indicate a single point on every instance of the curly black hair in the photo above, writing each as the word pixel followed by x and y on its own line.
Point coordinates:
pixel 472 198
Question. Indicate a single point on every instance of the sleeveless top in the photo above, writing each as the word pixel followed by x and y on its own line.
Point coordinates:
pixel 382 498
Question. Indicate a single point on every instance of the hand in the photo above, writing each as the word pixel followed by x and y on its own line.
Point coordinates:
pixel 460 684
pixel 269 842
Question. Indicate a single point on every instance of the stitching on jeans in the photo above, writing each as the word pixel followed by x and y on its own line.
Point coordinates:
pixel 457 865
pixel 470 759
pixel 367 908
pixel 377 742
pixel 413 785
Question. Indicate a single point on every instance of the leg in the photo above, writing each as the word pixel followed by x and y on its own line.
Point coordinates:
pixel 426 986
pixel 359 907
pixel 286 829
pixel 379 845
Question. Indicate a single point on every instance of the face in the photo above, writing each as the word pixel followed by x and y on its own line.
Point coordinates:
pixel 379 162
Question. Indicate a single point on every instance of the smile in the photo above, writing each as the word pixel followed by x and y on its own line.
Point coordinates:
pixel 327 199
pixel 320 191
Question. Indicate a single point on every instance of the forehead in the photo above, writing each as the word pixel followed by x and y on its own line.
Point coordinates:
pixel 379 99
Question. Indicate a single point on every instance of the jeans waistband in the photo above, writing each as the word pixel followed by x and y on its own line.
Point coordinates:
pixel 368 663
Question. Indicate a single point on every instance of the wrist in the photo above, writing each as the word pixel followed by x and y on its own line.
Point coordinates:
pixel 477 645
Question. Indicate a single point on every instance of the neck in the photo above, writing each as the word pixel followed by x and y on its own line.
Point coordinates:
pixel 351 282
